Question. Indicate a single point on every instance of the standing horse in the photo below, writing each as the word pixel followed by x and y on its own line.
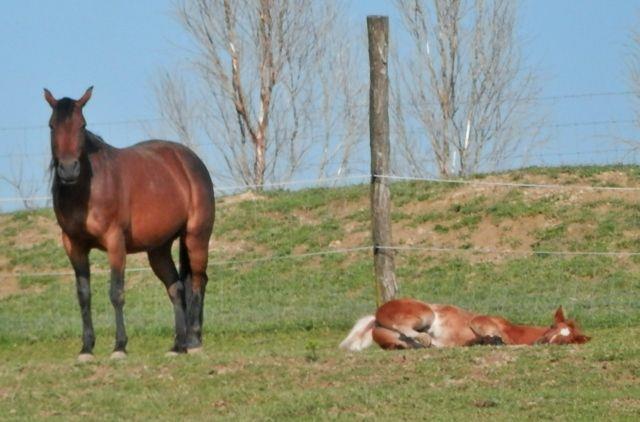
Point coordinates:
pixel 134 199
pixel 411 324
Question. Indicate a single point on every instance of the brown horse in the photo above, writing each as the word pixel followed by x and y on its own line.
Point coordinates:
pixel 411 324
pixel 134 199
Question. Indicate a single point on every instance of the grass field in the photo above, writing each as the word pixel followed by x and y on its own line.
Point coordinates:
pixel 273 322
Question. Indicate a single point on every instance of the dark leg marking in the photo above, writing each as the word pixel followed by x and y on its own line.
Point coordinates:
pixel 411 342
pixel 164 268
pixel 116 293
pixel 83 289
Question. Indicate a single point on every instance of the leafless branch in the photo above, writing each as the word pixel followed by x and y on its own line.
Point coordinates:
pixel 263 66
pixel 464 85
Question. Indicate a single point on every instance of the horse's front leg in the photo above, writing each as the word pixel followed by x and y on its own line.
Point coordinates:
pixel 79 258
pixel 117 254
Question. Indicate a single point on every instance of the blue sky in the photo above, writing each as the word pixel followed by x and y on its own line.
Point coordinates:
pixel 118 46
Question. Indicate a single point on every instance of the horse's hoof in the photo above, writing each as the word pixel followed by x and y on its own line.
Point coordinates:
pixel 171 354
pixel 118 355
pixel 84 357
pixel 195 350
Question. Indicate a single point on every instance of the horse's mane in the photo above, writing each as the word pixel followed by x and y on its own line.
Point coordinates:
pixel 94 142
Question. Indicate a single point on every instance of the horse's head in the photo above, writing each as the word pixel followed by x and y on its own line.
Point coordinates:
pixel 67 135
pixel 563 331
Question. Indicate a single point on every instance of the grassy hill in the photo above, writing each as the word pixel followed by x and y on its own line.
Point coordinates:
pixel 291 272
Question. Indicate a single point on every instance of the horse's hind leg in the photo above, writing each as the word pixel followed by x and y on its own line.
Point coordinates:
pixel 165 269
pixel 197 251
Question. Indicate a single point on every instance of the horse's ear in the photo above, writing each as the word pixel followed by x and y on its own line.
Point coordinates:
pixel 50 98
pixel 559 316
pixel 83 100
pixel 581 339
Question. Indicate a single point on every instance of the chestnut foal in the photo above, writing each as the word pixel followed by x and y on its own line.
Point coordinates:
pixel 412 324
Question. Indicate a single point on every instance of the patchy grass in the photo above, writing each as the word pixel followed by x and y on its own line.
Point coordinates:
pixel 272 326
pixel 279 376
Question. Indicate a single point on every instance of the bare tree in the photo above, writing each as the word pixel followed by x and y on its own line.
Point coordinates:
pixel 262 69
pixel 633 71
pixel 25 189
pixel 175 108
pixel 342 110
pixel 463 87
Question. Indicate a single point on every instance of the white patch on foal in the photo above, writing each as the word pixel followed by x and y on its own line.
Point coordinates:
pixel 564 332
pixel 436 331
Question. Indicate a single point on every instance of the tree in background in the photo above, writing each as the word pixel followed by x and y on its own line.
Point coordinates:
pixel 633 71
pixel 463 85
pixel 274 85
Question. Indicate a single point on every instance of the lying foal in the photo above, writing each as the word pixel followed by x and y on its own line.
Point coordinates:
pixel 411 324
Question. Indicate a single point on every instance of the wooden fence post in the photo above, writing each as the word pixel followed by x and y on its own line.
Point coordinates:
pixel 378 29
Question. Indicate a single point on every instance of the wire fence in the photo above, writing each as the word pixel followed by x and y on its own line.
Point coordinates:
pixel 542 98
pixel 277 275
pixel 350 180
pixel 331 278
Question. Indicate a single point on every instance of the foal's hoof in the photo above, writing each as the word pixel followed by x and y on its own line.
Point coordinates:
pixel 118 355
pixel 195 350
pixel 84 357
pixel 424 339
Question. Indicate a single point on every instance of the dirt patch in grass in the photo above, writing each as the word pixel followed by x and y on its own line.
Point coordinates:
pixel 487 235
pixel 515 235
pixel 224 249
pixel 355 236
pixel 306 217
pixel 43 229
pixel 241 197
pixel 496 358
pixel 8 287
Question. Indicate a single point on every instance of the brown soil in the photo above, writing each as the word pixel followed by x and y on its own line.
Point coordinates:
pixel 8 287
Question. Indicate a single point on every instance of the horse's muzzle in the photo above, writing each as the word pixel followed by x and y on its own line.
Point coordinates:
pixel 68 171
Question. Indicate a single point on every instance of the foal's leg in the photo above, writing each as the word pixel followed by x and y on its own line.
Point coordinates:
pixel 394 340
pixel 79 258
pixel 410 318
pixel 163 266
pixel 487 331
pixel 197 245
pixel 116 252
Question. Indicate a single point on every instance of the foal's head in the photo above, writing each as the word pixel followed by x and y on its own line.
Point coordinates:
pixel 67 135
pixel 563 331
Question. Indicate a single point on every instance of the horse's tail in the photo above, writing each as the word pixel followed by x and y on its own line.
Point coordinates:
pixel 361 335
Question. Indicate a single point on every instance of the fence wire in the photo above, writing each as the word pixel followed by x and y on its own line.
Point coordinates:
pixel 331 283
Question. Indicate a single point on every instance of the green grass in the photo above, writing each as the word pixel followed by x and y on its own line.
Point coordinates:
pixel 272 327
pixel 269 376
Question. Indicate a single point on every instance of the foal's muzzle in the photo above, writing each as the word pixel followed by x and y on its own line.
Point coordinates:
pixel 68 171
